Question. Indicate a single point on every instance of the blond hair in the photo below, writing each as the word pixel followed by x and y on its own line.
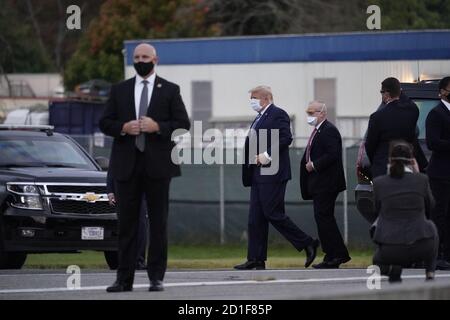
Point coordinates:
pixel 263 89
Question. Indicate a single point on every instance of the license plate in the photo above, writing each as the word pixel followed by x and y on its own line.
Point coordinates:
pixel 92 233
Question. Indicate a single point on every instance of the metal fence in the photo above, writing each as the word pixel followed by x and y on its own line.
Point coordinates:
pixel 209 203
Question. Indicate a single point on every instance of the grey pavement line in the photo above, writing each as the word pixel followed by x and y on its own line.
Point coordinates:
pixel 209 283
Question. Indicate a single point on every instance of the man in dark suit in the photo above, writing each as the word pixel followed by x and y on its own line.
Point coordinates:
pixel 267 170
pixel 396 121
pixel 438 141
pixel 322 178
pixel 141 114
pixel 418 152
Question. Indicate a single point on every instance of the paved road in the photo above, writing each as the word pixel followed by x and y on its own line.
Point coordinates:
pixel 209 285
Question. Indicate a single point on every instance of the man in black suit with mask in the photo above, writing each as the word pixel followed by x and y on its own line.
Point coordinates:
pixel 396 121
pixel 418 151
pixel 322 178
pixel 141 114
pixel 438 141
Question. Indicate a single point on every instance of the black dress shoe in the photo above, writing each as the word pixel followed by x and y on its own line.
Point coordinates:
pixel 429 275
pixel 395 274
pixel 311 252
pixel 141 266
pixel 322 265
pixel 250 265
pixel 156 285
pixel 331 264
pixel 119 287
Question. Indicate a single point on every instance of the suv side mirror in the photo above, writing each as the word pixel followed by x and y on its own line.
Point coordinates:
pixel 103 162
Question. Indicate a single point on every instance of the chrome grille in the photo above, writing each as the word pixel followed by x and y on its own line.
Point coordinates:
pixel 77 198
pixel 75 189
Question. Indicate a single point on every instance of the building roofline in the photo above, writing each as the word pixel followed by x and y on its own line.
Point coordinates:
pixel 293 35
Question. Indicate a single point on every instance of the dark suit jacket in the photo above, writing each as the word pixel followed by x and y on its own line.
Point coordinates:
pixel 438 141
pixel 396 121
pixel 326 154
pixel 273 118
pixel 418 152
pixel 109 183
pixel 403 206
pixel 166 107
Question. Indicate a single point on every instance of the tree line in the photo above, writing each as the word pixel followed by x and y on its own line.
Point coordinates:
pixel 34 37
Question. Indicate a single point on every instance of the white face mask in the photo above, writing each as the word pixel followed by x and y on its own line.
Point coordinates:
pixel 255 104
pixel 312 121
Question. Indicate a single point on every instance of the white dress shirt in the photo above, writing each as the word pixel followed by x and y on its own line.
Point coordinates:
pixel 138 86
pixel 267 159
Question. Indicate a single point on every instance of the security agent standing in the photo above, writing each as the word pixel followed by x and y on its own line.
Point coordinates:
pixel 321 180
pixel 438 141
pixel 268 190
pixel 418 152
pixel 396 121
pixel 141 114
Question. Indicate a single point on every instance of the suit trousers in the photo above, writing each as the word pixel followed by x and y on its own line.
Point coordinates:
pixel 424 250
pixel 129 200
pixel 267 205
pixel 330 237
pixel 440 214
pixel 143 232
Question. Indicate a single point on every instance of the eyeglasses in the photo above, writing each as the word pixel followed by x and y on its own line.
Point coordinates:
pixel 312 112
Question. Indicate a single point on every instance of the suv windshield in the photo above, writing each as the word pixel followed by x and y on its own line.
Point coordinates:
pixel 42 152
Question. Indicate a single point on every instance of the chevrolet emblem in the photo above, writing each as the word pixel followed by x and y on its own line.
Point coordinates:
pixel 91 197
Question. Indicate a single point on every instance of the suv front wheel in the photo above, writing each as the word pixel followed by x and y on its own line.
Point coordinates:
pixel 12 260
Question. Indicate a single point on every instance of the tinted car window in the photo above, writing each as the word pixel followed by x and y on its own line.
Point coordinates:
pixel 36 151
pixel 425 107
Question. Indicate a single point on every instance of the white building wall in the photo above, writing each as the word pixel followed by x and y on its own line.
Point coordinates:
pixel 41 84
pixel 357 86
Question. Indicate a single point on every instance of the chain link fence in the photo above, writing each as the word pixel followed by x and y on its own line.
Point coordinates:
pixel 208 203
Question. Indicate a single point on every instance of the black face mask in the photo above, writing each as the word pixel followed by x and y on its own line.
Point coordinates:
pixel 144 68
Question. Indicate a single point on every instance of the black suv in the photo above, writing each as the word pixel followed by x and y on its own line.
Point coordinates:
pixel 52 197
pixel 425 95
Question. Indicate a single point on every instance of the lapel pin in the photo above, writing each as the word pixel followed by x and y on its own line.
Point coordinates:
pixel 159 85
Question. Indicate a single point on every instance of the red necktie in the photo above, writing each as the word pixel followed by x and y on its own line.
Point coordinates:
pixel 308 147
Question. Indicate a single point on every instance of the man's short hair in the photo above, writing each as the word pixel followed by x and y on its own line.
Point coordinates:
pixel 322 104
pixel 443 84
pixel 264 89
pixel 391 85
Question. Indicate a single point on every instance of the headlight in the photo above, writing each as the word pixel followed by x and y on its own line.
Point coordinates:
pixel 25 196
pixel 24 189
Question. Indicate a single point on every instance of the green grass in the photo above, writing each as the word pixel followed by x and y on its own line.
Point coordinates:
pixel 195 257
